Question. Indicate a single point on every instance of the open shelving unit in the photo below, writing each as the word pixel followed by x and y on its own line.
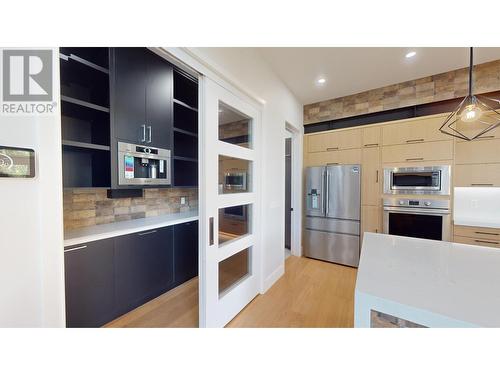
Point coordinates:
pixel 185 150
pixel 85 122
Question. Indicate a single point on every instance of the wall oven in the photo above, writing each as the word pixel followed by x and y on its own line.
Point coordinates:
pixel 417 180
pixel 421 218
pixel 143 165
pixel 235 181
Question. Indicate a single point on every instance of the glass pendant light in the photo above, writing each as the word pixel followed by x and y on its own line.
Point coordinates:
pixel 475 116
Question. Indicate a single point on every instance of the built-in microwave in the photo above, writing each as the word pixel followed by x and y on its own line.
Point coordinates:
pixel 143 165
pixel 235 181
pixel 417 180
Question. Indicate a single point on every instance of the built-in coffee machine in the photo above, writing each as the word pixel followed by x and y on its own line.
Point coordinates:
pixel 143 165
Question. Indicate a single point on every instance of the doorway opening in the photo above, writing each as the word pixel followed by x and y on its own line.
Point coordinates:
pixel 288 194
pixel 293 190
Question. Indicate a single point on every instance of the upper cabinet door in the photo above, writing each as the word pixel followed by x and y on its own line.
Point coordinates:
pixel 128 87
pixel 159 106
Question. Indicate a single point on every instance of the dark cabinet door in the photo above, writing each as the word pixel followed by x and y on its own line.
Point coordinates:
pixel 144 266
pixel 159 105
pixel 185 251
pixel 128 87
pixel 90 284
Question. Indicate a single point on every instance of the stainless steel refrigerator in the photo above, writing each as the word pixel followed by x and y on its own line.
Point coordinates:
pixel 332 224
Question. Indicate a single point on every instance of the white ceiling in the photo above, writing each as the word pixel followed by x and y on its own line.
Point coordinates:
pixel 353 70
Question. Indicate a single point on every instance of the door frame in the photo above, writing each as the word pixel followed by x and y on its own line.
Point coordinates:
pixel 296 188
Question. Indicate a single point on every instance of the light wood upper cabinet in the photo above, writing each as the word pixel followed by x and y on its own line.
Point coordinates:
pixel 372 136
pixel 414 131
pixel 478 152
pixel 477 175
pixel 371 176
pixel 334 141
pixel 352 156
pixel 316 142
pixel 428 151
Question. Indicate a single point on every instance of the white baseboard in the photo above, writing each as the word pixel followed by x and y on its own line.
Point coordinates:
pixel 272 278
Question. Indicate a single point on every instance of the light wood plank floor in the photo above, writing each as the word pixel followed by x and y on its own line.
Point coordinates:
pixel 310 294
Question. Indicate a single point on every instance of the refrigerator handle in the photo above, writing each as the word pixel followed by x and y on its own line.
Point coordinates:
pixel 327 191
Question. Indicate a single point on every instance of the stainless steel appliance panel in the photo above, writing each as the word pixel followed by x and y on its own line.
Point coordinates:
pixel 434 180
pixel 315 193
pixel 343 183
pixel 332 247
pixel 418 218
pixel 333 225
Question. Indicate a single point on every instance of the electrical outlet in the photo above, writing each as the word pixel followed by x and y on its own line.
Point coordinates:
pixel 183 200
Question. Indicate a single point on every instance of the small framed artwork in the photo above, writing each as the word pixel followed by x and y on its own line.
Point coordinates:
pixel 17 162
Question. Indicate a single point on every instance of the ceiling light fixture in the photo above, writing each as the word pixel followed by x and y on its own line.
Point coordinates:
pixel 321 81
pixel 410 54
pixel 475 116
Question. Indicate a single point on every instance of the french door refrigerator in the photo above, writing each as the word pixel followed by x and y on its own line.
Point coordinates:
pixel 332 223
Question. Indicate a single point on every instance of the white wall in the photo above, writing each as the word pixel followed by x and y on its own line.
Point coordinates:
pixel 245 68
pixel 31 227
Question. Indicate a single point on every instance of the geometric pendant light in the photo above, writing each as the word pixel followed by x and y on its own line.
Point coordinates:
pixel 475 116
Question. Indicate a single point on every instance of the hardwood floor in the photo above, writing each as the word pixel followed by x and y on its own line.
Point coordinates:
pixel 310 294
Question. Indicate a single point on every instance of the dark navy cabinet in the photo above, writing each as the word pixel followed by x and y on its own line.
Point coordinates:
pixel 108 278
pixel 144 266
pixel 141 95
pixel 90 284
pixel 185 251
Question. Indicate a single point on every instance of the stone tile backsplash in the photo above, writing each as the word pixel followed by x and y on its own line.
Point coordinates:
pixel 90 206
pixel 430 89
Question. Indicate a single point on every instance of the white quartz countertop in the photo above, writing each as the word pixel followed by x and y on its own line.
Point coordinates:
pixel 99 232
pixel 434 283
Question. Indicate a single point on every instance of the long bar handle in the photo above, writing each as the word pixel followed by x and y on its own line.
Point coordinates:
pixel 414 159
pixel 415 140
pixel 146 233
pixel 211 230
pixel 332 148
pixel 376 178
pixel 76 248
pixel 150 133
pixel 370 144
pixel 143 133
pixel 481 184
pixel 487 233
pixel 327 192
pixel 490 242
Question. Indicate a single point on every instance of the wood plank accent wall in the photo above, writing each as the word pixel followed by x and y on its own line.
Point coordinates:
pixel 431 89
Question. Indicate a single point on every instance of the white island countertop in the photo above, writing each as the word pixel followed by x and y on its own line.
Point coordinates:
pixel 99 232
pixel 432 283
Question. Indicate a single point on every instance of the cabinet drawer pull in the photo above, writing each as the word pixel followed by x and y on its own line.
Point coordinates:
pixel 414 159
pixel 415 140
pixel 146 233
pixel 370 144
pixel 76 248
pixel 332 148
pixel 486 137
pixel 487 233
pixel 481 184
pixel 490 242
pixel 376 178
pixel 332 163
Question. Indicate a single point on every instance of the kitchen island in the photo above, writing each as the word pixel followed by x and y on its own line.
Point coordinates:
pixel 412 282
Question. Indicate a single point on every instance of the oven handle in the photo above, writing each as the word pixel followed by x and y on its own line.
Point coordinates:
pixel 430 211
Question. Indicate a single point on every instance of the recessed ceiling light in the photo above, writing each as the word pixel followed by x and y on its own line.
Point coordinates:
pixel 410 54
pixel 321 81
